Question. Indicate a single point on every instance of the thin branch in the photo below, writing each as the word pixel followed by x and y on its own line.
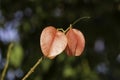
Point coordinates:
pixel 60 29
pixel 32 69
pixel 79 20
pixel 7 62
pixel 68 28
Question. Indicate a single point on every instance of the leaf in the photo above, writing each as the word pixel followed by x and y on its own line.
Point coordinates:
pixel 16 55
pixel 76 42
pixel 52 42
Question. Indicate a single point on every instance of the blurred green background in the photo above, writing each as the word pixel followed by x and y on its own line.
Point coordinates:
pixel 22 21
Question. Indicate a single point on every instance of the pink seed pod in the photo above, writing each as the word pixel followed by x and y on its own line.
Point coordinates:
pixel 52 42
pixel 76 42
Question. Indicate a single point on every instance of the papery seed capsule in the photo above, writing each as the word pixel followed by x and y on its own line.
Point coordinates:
pixel 76 42
pixel 52 42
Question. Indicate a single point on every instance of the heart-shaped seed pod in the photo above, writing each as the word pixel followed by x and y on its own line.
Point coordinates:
pixel 52 42
pixel 76 42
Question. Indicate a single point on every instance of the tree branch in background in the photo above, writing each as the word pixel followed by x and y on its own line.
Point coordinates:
pixel 32 69
pixel 7 61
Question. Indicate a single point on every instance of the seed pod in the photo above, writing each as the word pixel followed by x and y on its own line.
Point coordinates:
pixel 76 42
pixel 52 42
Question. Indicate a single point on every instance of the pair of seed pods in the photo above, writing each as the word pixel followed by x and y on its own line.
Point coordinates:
pixel 53 42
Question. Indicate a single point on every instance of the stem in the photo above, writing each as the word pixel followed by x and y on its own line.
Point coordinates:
pixel 79 20
pixel 7 62
pixel 32 69
pixel 60 29
pixel 64 31
pixel 68 28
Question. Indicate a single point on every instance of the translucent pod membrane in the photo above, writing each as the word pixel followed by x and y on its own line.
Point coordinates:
pixel 76 42
pixel 52 42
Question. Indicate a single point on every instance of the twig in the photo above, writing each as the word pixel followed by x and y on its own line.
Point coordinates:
pixel 7 62
pixel 68 28
pixel 32 69
pixel 79 20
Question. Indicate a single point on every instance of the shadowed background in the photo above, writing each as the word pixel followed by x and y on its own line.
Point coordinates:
pixel 21 22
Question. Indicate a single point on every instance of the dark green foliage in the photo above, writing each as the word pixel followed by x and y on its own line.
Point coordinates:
pixel 94 63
